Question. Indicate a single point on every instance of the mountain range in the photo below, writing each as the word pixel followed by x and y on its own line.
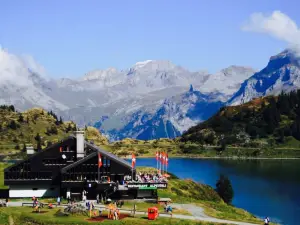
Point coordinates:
pixel 151 99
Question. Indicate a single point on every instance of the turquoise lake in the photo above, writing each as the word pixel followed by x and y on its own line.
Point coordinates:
pixel 262 187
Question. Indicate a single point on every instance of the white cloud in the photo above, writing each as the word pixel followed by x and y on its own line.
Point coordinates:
pixel 16 70
pixel 33 65
pixel 277 25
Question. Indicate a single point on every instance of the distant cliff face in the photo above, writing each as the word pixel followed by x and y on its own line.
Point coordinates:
pixel 281 74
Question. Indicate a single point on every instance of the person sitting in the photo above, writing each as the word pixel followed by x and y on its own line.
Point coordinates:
pixel 50 206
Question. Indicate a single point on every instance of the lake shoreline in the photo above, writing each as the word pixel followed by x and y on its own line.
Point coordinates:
pixel 275 183
pixel 217 157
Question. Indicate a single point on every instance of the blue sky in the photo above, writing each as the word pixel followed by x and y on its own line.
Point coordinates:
pixel 70 38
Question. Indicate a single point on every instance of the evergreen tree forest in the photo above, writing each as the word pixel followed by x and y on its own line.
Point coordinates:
pixel 277 117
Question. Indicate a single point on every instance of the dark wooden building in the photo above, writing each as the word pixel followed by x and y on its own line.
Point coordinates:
pixel 69 169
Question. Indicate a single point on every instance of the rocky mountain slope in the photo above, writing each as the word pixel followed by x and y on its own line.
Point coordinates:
pixel 281 74
pixel 151 99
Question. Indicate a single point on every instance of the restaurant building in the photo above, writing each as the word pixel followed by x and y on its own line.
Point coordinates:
pixel 70 168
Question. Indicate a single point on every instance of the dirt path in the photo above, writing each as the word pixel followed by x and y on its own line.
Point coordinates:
pixel 198 214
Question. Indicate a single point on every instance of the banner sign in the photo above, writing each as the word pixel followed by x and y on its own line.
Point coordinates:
pixel 148 185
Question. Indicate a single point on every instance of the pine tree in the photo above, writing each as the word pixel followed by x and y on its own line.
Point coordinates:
pixel 11 108
pixel 69 128
pixel 39 146
pixel 21 118
pixel 12 125
pixel 224 189
pixel 37 137
pixel 24 148
pixel 60 120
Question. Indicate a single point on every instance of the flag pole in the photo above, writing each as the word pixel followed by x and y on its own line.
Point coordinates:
pixel 167 163
pixel 98 174
pixel 156 160
pixel 99 167
pixel 160 162
pixel 163 162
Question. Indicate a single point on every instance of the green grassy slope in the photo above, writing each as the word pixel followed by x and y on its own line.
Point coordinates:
pixel 189 192
pixel 19 128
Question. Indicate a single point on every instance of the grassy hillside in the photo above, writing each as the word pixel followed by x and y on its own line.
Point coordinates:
pixel 142 148
pixel 262 122
pixel 35 127
pixel 187 191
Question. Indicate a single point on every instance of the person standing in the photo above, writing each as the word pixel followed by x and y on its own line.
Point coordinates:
pixel 97 198
pixel 58 200
pixel 266 221
pixel 33 201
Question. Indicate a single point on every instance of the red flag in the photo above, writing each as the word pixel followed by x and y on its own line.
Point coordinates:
pixel 167 159
pixel 160 156
pixel 156 155
pixel 99 160
pixel 133 160
pixel 60 149
pixel 163 158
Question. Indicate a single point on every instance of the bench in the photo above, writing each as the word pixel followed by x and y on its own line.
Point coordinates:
pixel 164 201
pixel 41 203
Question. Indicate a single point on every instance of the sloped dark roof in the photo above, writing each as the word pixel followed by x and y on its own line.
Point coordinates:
pixel 109 155
pixel 97 150
pixel 78 162
pixel 37 153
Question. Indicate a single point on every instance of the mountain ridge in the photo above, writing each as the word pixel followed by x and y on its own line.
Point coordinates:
pixel 118 94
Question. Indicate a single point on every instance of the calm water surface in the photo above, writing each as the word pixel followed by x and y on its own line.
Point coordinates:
pixel 262 187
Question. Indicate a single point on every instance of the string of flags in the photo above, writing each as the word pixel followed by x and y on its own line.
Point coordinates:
pixel 162 161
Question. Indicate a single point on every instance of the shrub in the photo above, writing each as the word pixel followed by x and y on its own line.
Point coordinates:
pixel 224 189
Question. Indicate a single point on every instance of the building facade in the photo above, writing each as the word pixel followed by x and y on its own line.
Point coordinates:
pixel 70 169
pixel 66 169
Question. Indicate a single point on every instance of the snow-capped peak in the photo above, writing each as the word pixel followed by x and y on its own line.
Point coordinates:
pixel 161 65
pixel 141 64
pixel 100 74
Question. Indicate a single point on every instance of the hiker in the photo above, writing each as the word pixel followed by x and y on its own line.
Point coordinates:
pixel 169 209
pixel 97 198
pixel 115 214
pixel 58 200
pixel 33 201
pixel 88 205
pixel 267 220
pixel 84 196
